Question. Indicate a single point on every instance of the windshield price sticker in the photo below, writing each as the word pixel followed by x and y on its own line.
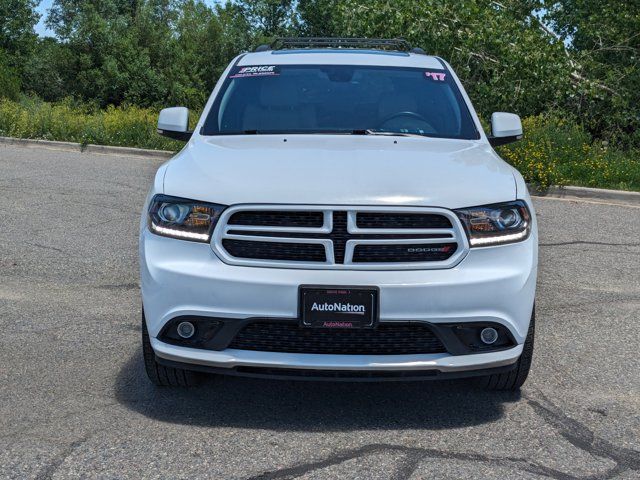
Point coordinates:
pixel 256 71
pixel 437 76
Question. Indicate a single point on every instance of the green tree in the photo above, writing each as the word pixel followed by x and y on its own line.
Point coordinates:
pixel 317 18
pixel 46 73
pixel 147 52
pixel 237 34
pixel 269 18
pixel 17 21
pixel 9 79
pixel 603 42
pixel 105 61
pixel 17 42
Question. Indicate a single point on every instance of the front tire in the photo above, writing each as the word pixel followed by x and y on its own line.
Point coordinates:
pixel 515 378
pixel 159 374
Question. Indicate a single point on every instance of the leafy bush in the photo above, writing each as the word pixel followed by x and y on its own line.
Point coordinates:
pixel 66 121
pixel 555 151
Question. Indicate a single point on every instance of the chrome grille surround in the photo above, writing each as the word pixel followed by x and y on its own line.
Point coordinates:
pixel 223 231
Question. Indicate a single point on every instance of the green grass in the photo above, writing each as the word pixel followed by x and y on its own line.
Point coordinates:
pixel 554 151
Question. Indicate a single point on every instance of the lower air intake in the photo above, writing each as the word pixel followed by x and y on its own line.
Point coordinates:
pixel 386 339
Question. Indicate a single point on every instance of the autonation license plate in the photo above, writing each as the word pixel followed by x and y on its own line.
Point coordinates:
pixel 339 307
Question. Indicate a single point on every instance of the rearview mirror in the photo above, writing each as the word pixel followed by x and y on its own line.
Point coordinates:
pixel 505 128
pixel 174 123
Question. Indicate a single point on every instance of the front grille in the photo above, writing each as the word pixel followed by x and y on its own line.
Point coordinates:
pixel 307 252
pixel 401 220
pixel 386 339
pixel 356 238
pixel 404 252
pixel 274 218
pixel 339 235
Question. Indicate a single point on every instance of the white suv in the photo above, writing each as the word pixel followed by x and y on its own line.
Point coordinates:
pixel 338 213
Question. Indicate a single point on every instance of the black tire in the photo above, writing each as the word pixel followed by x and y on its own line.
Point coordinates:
pixel 515 378
pixel 159 374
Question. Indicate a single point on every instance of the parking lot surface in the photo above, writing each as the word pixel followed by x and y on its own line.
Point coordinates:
pixel 75 402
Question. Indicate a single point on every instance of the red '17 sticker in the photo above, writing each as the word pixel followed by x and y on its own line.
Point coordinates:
pixel 437 76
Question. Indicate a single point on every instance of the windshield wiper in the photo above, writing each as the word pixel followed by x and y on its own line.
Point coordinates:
pixel 369 131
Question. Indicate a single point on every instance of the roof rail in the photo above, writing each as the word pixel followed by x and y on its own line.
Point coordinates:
pixel 282 43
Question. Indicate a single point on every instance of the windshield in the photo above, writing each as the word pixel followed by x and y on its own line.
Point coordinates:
pixel 265 99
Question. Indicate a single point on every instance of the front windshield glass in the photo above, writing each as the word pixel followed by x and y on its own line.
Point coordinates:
pixel 264 99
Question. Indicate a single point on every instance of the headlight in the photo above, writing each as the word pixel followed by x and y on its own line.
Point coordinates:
pixel 496 224
pixel 184 219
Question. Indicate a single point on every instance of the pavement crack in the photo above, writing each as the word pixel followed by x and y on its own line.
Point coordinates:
pixel 571 430
pixel 49 470
pixel 408 466
pixel 413 457
pixel 581 437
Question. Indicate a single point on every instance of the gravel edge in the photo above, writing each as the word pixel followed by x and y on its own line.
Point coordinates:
pixel 76 147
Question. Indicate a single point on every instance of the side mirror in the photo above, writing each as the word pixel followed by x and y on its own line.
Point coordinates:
pixel 174 123
pixel 505 128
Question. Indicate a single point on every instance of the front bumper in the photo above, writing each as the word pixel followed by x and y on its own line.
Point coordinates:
pixel 233 359
pixel 495 284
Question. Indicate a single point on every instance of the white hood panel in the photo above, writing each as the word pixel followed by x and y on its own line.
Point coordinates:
pixel 339 170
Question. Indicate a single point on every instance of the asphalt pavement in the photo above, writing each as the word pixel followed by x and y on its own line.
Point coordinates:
pixel 75 402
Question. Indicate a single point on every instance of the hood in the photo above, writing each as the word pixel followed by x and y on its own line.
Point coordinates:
pixel 340 170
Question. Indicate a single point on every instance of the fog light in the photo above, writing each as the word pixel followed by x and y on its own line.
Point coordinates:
pixel 489 335
pixel 186 329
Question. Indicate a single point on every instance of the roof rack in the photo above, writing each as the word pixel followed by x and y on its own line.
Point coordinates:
pixel 394 44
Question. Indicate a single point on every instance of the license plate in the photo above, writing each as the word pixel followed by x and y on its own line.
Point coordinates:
pixel 338 307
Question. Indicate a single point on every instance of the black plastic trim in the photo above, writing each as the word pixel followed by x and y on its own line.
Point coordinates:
pixel 230 327
pixel 393 44
pixel 455 346
pixel 175 135
pixel 336 375
pixel 497 141
pixel 168 335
